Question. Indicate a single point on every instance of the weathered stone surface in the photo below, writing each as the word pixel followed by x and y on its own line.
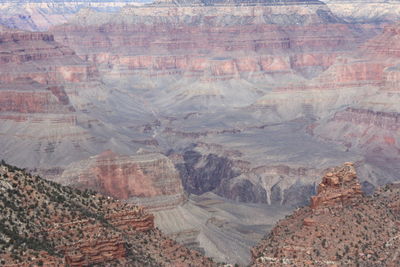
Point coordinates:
pixel 338 187
pixel 143 176
pixel 341 227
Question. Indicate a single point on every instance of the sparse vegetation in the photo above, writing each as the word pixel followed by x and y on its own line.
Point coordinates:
pixel 360 231
pixel 45 221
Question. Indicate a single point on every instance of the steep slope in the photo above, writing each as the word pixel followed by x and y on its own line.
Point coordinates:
pixel 342 227
pixel 208 223
pixel 45 223
pixel 371 126
pixel 210 84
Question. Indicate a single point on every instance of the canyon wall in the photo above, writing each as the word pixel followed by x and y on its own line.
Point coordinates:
pixel 47 93
pixel 148 179
pixel 213 56
pixel 371 126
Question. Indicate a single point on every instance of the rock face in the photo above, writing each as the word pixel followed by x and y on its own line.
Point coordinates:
pixel 341 227
pixel 27 88
pixel 45 223
pixel 201 174
pixel 146 177
pixel 241 175
pixel 337 188
pixel 368 11
pixel 51 99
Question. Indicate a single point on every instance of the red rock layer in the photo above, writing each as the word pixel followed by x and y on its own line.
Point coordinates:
pixel 337 188
pixel 34 70
pixel 95 252
pixel 96 245
pixel 372 126
pixel 384 120
pixel 385 44
pixel 124 177
pixel 208 49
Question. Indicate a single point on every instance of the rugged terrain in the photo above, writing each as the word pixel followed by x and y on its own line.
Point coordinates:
pixel 341 227
pixel 223 74
pixel 44 223
pixel 206 112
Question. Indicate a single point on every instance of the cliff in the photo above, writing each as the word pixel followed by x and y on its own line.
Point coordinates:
pixel 341 227
pixel 37 76
pixel 150 179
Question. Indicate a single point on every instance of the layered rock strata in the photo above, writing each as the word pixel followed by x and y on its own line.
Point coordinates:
pixel 150 179
pixel 371 125
pixel 211 51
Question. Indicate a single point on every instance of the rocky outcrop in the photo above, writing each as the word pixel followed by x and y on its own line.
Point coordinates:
pixel 342 227
pixel 337 188
pixel 130 220
pixel 26 87
pixel 96 246
pixel 148 178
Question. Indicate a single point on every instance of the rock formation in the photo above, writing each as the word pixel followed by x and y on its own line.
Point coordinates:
pixel 337 188
pixel 341 227
pixel 150 179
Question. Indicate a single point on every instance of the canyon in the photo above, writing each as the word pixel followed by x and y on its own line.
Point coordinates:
pixel 217 117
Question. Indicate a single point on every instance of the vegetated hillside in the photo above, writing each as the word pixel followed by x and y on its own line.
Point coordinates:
pixel 342 227
pixel 44 223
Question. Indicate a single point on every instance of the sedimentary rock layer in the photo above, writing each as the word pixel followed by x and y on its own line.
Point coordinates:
pixel 145 177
